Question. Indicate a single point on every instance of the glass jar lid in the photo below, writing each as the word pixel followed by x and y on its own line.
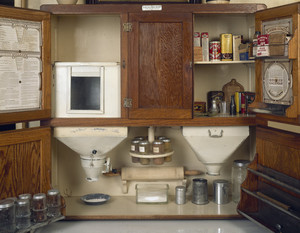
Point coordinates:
pixel 6 203
pixel 145 142
pixel 22 202
pixel 53 192
pixel 166 140
pixel 158 142
pixel 39 196
pixel 135 141
pixel 241 163
pixel 25 196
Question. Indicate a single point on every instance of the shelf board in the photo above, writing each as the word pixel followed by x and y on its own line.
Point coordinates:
pixel 166 7
pixel 197 121
pixel 224 62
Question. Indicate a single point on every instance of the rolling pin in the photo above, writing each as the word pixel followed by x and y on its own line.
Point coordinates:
pixel 156 173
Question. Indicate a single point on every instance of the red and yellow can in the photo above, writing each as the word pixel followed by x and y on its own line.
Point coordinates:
pixel 214 51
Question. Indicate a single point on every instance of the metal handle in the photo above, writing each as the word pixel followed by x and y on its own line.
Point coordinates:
pixel 215 135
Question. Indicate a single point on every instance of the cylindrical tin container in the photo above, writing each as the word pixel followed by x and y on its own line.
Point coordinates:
pixel 7 216
pixel 221 191
pixel 239 172
pixel 180 192
pixel 215 51
pixel 200 195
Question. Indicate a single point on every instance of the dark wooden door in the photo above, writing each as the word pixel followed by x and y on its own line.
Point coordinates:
pixel 160 69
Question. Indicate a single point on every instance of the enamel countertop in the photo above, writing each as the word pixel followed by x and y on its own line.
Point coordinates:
pixel 154 226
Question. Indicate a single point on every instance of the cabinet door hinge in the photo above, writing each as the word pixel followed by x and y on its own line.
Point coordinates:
pixel 127 103
pixel 127 27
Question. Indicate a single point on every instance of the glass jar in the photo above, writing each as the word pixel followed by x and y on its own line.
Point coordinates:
pixel 53 203
pixel 26 196
pixel 239 172
pixel 144 147
pixel 7 216
pixel 158 147
pixel 168 148
pixel 39 208
pixel 134 147
pixel 23 213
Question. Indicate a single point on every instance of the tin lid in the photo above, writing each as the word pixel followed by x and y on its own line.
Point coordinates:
pixel 53 192
pixel 241 163
pixel 25 196
pixel 6 203
pixel 161 137
pixel 39 196
pixel 180 188
pixel 220 182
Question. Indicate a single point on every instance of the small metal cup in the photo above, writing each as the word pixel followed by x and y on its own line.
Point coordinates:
pixel 221 191
pixel 200 196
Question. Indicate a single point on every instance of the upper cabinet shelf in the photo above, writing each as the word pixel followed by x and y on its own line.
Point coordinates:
pixel 137 7
pixel 223 62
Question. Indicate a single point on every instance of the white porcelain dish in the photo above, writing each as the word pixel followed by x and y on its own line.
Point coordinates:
pixel 95 198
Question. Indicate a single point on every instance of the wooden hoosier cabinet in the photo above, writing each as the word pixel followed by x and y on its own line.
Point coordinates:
pixel 160 81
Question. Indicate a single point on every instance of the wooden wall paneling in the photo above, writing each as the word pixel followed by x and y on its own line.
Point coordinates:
pixel 25 161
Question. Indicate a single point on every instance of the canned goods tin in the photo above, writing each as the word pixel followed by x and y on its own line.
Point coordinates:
pixel 215 51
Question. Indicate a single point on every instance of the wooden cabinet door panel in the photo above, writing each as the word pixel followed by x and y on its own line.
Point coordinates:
pixel 160 75
pixel 25 162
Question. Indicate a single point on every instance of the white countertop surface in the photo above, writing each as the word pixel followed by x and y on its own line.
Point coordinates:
pixel 154 226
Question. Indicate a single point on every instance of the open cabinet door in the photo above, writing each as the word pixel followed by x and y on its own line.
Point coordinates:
pixel 25 95
pixel 25 162
pixel 270 195
pixel 277 65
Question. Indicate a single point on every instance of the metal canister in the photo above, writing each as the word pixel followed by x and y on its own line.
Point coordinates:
pixel 180 193
pixel 215 51
pixel 221 191
pixel 200 195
